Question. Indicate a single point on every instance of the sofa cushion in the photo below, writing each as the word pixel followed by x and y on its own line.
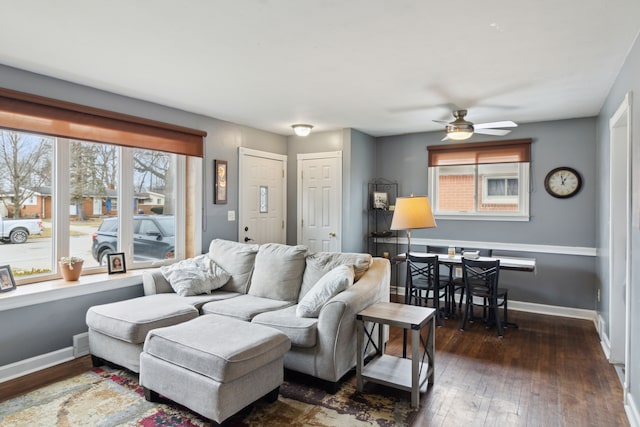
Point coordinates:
pixel 195 276
pixel 217 347
pixel 244 307
pixel 198 301
pixel 320 263
pixel 303 332
pixel 329 285
pixel 131 320
pixel 236 259
pixel 278 270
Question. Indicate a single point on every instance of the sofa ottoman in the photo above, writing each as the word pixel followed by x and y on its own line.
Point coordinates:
pixel 117 330
pixel 213 365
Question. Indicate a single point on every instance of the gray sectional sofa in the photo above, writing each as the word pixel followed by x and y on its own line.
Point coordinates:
pixel 313 298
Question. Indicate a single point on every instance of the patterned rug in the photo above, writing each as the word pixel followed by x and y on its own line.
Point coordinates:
pixel 112 397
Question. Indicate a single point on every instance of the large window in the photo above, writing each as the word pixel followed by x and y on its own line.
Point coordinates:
pixel 483 180
pixel 88 183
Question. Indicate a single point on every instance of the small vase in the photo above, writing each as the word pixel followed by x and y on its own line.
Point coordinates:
pixel 71 272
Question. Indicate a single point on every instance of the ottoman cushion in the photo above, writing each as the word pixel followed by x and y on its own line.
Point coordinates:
pixel 217 347
pixel 131 320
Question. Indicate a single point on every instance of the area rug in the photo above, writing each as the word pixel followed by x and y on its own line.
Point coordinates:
pixel 112 397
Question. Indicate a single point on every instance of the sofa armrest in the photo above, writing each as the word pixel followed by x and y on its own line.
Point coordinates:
pixel 154 282
pixel 336 348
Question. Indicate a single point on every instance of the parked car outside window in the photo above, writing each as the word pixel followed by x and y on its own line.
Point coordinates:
pixel 153 238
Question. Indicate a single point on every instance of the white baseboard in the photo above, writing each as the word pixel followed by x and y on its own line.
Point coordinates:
pixel 555 310
pixel 604 338
pixel 631 409
pixel 43 361
pixel 34 364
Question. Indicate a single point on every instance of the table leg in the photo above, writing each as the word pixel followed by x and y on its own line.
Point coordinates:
pixel 431 351
pixel 359 350
pixel 415 367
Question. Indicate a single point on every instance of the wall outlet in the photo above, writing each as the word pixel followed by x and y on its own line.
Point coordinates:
pixel 231 215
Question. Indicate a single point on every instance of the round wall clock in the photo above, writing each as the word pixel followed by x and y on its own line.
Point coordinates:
pixel 563 182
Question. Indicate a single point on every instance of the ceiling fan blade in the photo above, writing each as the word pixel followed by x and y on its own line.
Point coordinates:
pixel 444 122
pixel 503 124
pixel 498 132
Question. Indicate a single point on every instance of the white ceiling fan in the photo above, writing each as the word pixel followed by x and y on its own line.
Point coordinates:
pixel 460 129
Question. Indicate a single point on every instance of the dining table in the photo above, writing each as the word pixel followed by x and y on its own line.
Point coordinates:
pixel 455 262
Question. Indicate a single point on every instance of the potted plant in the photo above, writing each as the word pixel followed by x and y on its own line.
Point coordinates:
pixel 71 267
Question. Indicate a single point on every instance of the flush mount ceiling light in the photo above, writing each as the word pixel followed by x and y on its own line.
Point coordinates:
pixel 302 129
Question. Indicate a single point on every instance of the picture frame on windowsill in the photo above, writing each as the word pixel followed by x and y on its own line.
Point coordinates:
pixel 7 283
pixel 116 263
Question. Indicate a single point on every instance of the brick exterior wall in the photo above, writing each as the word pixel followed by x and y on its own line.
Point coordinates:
pixel 456 193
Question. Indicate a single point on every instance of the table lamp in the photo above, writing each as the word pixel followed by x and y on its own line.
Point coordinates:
pixel 412 212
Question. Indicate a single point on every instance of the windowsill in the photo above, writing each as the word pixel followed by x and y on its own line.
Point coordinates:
pixel 52 290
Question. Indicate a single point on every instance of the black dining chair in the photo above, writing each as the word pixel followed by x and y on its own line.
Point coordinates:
pixel 481 281
pixel 445 275
pixel 423 282
pixel 457 283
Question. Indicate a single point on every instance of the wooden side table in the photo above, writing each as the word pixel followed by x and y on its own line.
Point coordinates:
pixel 404 374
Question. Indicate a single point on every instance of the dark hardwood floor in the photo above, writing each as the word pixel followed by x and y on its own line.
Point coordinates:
pixel 549 372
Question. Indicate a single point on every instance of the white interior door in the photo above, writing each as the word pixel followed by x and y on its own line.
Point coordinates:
pixel 619 232
pixel 262 198
pixel 320 201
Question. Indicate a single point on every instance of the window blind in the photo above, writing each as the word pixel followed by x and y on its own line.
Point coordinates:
pixel 31 113
pixel 508 151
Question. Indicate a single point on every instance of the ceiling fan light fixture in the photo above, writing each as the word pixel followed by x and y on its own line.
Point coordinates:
pixel 459 133
pixel 302 129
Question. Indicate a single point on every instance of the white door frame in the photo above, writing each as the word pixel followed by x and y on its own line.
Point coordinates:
pixel 620 235
pixel 242 153
pixel 337 194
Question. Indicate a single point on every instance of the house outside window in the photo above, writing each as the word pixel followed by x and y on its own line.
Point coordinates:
pixel 480 181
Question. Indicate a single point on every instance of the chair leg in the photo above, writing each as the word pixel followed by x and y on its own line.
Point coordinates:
pixel 464 313
pixel 493 306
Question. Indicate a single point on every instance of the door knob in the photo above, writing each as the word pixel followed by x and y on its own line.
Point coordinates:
pixel 246 239
pixel 332 234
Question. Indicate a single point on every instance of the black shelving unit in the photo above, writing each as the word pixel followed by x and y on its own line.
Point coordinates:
pixel 382 241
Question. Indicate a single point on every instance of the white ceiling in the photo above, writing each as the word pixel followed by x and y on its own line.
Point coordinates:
pixel 384 67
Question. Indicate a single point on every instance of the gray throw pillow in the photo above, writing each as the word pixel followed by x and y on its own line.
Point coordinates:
pixel 277 273
pixel 195 276
pixel 235 258
pixel 320 263
pixel 329 285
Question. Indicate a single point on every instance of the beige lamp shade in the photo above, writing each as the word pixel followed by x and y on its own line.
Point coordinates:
pixel 412 213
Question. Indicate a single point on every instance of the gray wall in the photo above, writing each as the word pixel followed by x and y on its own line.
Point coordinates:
pixel 564 280
pixel 628 81
pixel 354 226
pixel 43 328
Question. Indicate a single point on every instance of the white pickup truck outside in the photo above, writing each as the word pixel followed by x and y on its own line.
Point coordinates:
pixel 18 230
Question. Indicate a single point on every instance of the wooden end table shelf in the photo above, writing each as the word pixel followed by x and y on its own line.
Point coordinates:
pixel 405 374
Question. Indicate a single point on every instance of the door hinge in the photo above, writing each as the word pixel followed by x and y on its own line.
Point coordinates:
pixel 302 222
pixel 283 224
pixel 283 173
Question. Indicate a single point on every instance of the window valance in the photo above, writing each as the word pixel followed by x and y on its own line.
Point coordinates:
pixel 509 151
pixel 32 113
